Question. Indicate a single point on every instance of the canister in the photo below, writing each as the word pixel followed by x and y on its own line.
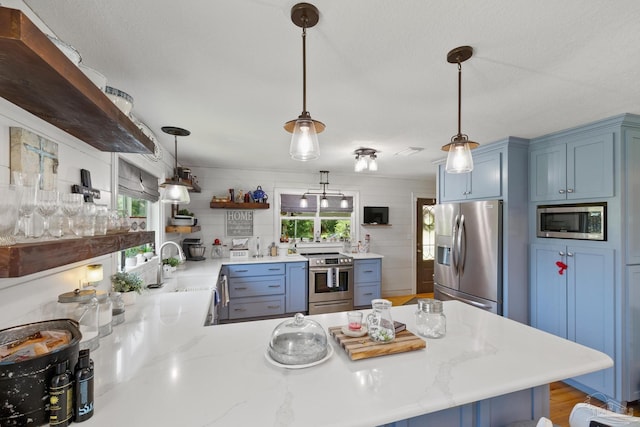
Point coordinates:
pixel 430 319
pixel 82 306
pixel 105 314
pixel 117 308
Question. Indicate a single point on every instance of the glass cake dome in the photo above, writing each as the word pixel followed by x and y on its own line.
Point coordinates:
pixel 298 341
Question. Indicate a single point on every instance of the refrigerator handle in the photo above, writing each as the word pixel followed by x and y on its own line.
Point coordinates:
pixel 462 246
pixel 454 249
pixel 468 301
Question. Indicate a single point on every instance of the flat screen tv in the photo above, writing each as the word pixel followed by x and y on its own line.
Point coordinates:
pixel 376 215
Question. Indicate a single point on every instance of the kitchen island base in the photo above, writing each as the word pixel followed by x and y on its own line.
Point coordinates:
pixel 523 405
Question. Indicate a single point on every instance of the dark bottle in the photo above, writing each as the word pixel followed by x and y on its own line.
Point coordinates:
pixel 61 396
pixel 83 388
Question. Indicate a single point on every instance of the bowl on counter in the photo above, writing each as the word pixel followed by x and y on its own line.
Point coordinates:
pixel 197 251
pixel 122 99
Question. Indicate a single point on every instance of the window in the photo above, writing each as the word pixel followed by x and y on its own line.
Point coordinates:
pixel 332 223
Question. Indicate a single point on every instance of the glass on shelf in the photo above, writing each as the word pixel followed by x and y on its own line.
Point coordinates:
pixel 71 204
pixel 28 184
pixel 9 213
pixel 47 204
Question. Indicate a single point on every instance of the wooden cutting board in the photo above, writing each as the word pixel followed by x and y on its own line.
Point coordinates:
pixel 364 348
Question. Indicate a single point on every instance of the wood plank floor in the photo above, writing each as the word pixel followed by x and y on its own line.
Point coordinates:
pixel 563 397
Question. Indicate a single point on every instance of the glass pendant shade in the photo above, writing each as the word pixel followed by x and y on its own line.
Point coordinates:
pixel 373 164
pixel 304 202
pixel 175 193
pixel 304 141
pixel 361 164
pixel 344 203
pixel 459 159
pixel 324 202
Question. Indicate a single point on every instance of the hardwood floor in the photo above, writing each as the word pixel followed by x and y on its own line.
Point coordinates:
pixel 562 396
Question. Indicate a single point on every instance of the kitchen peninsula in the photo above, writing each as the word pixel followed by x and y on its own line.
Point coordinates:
pixel 162 367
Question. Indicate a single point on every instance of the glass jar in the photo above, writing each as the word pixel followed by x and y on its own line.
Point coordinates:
pixel 102 220
pixel 117 308
pixel 82 306
pixel 105 316
pixel 430 320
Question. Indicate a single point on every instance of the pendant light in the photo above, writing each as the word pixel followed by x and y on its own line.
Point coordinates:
pixel 176 191
pixel 459 159
pixel 305 130
pixel 324 202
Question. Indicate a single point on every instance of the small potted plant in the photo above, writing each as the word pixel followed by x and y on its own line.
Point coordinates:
pixel 129 284
pixel 170 264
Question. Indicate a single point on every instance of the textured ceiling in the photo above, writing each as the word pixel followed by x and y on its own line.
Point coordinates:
pixel 230 71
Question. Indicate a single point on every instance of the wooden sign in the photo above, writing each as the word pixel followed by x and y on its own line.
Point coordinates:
pixel 239 223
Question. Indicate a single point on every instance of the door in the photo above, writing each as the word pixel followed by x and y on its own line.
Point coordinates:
pixel 549 289
pixel 425 252
pixel 480 250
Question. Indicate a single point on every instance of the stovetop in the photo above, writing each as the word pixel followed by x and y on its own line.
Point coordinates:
pixel 328 259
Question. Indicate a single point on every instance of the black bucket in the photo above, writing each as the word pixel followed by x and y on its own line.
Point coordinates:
pixel 24 386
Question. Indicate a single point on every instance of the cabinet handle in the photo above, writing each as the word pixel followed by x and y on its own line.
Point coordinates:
pixel 368 293
pixel 561 191
pixel 241 271
pixel 569 190
pixel 561 253
pixel 239 309
pixel 274 286
pixel 240 289
pixel 368 271
pixel 569 253
pixel 274 269
pixel 273 307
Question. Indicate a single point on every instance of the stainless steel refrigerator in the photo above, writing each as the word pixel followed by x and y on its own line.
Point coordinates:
pixel 468 264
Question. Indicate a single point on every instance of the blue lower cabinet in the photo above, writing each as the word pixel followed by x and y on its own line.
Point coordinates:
pixel 367 282
pixel 297 287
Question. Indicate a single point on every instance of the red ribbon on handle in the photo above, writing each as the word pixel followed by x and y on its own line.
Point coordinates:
pixel 562 266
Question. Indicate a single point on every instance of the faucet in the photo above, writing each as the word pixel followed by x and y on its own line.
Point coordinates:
pixel 181 257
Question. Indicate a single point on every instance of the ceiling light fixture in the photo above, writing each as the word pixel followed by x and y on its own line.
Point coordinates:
pixel 324 202
pixel 176 191
pixel 305 130
pixel 459 159
pixel 366 159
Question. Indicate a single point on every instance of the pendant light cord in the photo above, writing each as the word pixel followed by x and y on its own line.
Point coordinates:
pixel 175 151
pixel 304 66
pixel 459 97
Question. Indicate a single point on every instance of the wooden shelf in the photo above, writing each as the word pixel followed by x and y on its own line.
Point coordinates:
pixel 28 258
pixel 182 228
pixel 234 205
pixel 36 76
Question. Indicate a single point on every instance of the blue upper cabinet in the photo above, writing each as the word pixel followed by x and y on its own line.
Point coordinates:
pixel 578 167
pixel 484 182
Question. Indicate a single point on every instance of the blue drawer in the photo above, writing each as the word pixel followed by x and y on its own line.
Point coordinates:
pixel 247 270
pixel 367 270
pixel 256 286
pixel 256 307
pixel 362 295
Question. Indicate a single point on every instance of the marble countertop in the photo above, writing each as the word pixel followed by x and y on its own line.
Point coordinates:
pixel 162 367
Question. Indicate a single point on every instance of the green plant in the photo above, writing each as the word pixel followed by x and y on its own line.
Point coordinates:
pixel 185 212
pixel 173 262
pixel 132 252
pixel 127 282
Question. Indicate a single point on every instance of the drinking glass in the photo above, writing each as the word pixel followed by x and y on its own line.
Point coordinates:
pixel 10 196
pixel 88 219
pixel 47 205
pixel 28 182
pixel 71 204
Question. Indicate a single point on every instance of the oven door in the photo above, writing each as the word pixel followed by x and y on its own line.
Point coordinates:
pixel 330 283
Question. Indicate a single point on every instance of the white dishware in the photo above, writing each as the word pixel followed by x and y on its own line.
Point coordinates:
pixel 123 100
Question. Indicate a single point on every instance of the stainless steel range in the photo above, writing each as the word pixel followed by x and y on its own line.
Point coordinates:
pixel 330 282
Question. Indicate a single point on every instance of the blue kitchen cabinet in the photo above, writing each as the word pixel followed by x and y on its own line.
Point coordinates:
pixel 484 182
pixel 577 303
pixel 575 167
pixel 367 281
pixel 297 287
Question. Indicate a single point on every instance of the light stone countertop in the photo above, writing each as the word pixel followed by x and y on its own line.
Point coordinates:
pixel 162 367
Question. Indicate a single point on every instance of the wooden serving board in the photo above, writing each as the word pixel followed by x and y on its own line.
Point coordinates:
pixel 364 348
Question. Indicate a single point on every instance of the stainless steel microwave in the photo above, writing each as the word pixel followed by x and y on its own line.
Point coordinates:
pixel 585 221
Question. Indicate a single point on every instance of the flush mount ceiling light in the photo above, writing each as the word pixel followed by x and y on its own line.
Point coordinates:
pixel 176 191
pixel 324 202
pixel 366 159
pixel 459 159
pixel 305 130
